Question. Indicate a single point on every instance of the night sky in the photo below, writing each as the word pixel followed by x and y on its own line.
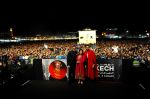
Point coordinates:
pixel 61 17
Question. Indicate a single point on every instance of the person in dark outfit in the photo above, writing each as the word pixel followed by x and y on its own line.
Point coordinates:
pixel 71 62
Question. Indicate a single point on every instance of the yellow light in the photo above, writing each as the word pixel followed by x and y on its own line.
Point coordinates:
pixel 11 30
pixel 103 34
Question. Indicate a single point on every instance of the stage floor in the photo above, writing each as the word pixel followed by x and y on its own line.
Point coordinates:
pixel 62 89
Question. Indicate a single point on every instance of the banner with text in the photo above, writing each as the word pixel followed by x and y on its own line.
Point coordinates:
pixel 109 69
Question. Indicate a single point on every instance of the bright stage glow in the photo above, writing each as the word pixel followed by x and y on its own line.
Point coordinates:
pixel 45 46
pixel 115 49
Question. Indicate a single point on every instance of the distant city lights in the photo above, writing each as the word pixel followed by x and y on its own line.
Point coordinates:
pixel 147 34
pixel 127 31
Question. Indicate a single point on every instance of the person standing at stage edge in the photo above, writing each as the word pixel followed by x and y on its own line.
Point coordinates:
pixel 71 62
pixel 91 71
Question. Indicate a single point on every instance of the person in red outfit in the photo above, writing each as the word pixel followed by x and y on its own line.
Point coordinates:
pixel 91 71
pixel 79 70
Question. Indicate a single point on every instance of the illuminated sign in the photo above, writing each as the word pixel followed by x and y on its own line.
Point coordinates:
pixel 87 37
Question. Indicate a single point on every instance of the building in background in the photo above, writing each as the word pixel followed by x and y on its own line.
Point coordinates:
pixel 87 36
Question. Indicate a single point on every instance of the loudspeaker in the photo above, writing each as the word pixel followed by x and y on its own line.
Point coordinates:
pixel 127 65
pixel 37 69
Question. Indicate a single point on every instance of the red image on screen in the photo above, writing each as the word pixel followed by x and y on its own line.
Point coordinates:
pixel 57 69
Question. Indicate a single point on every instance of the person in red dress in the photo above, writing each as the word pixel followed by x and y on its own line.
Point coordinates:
pixel 91 71
pixel 79 70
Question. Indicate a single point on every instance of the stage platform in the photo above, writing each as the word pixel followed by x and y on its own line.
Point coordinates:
pixel 63 89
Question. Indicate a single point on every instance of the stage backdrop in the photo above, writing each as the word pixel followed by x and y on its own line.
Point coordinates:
pixel 54 69
pixel 109 69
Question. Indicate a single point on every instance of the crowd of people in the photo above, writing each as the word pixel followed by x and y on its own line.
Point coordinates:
pixel 122 49
pixel 79 57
